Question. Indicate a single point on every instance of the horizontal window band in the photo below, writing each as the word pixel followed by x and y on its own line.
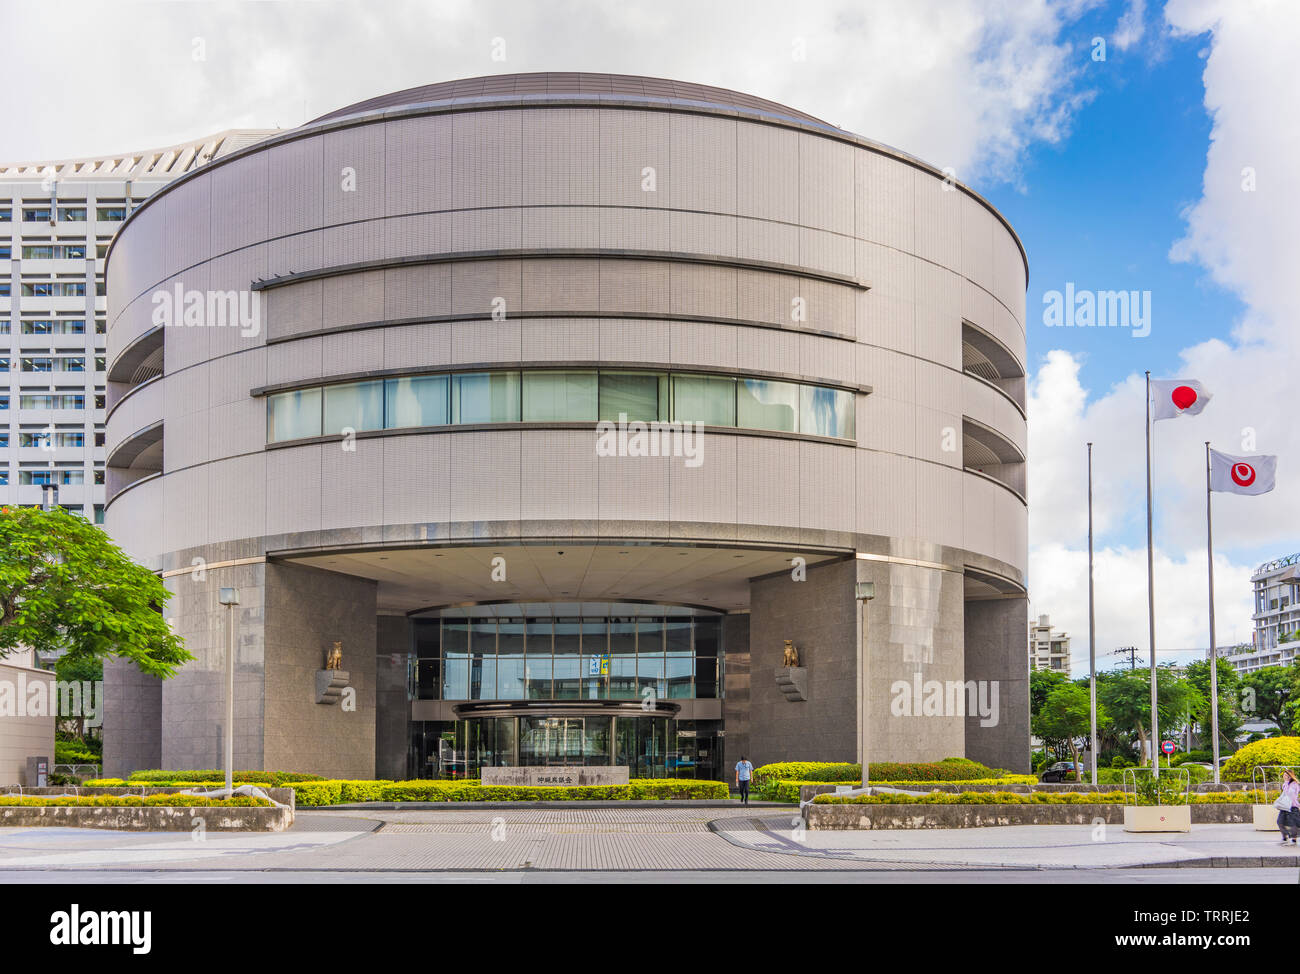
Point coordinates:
pixel 561 395
pixel 549 425
pixel 542 315
pixel 465 256
pixel 569 366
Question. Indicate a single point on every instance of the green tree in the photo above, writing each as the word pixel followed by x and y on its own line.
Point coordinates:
pixel 64 586
pixel 1270 689
pixel 73 668
pixel 1127 697
pixel 1229 680
pixel 1042 683
pixel 1067 715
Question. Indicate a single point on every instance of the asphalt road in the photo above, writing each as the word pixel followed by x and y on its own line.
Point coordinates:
pixel 1000 877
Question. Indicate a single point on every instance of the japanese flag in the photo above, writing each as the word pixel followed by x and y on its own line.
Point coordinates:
pixel 1174 397
pixel 1242 475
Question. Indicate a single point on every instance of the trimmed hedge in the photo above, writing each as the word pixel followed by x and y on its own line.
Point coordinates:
pixel 653 789
pixel 949 769
pixel 788 791
pixel 274 778
pixel 1016 798
pixel 342 792
pixel 308 793
pixel 1271 750
pixel 136 801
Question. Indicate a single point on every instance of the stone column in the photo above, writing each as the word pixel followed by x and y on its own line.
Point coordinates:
pixel 307 611
pixel 132 719
pixel 194 700
pixel 914 645
pixel 820 616
pixel 997 649
pixel 392 706
pixel 736 693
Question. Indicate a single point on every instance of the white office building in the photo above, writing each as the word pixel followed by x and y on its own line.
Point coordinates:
pixel 1277 608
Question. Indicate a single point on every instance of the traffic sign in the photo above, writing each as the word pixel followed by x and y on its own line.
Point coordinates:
pixel 1168 747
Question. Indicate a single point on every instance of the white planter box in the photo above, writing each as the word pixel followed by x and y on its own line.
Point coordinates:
pixel 1265 818
pixel 1157 818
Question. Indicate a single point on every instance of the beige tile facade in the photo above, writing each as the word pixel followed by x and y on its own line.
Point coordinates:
pixel 615 233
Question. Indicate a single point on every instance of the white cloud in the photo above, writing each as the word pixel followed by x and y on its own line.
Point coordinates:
pixel 1248 244
pixel 1131 26
pixel 1120 574
pixel 964 85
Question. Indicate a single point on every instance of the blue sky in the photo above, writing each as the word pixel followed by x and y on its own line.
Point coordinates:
pixel 1104 207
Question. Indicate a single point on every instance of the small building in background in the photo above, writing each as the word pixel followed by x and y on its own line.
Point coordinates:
pixel 23 733
pixel 1048 650
pixel 1277 611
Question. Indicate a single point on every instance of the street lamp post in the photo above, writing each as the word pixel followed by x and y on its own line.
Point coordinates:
pixel 229 597
pixel 864 592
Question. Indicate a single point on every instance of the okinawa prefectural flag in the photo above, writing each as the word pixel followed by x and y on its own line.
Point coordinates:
pixel 1242 475
pixel 1174 397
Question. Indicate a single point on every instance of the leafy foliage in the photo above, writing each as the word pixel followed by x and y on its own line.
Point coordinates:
pixel 65 586
pixel 1067 715
pixel 1230 720
pixel 135 801
pixel 1274 750
pixel 1126 695
pixel 274 778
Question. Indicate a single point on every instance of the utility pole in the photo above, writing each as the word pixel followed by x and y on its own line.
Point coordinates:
pixel 1129 651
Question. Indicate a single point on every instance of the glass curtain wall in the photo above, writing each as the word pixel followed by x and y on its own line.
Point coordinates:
pixel 638 656
pixel 650 746
pixel 555 396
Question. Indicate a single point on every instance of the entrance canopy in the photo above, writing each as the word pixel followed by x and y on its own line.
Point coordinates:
pixel 433 576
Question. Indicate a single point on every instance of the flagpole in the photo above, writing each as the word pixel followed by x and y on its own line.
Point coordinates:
pixel 1214 653
pixel 1092 636
pixel 1151 598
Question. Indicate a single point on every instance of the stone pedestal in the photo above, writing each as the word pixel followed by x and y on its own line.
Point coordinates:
pixel 793 682
pixel 330 685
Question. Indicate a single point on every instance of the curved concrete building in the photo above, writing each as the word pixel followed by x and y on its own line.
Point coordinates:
pixel 562 402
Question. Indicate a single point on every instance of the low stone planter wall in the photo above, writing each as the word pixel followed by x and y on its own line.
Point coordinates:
pixel 807 792
pixel 159 818
pixel 285 796
pixel 917 816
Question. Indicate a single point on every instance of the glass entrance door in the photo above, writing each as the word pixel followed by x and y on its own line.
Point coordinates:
pixel 552 740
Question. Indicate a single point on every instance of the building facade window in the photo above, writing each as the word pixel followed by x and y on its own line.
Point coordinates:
pixel 555 396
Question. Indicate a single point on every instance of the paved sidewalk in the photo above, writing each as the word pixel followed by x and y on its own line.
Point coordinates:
pixel 616 838
pixel 450 837
pixel 1015 846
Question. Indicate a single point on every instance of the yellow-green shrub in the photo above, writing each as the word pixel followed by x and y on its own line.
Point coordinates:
pixel 1271 750
pixel 135 801
pixel 777 790
pixel 362 791
pixel 661 789
pixel 1019 798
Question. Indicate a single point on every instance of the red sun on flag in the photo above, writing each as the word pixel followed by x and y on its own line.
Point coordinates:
pixel 1183 396
pixel 1243 474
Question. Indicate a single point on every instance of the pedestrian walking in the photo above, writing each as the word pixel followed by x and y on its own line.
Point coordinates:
pixel 744 771
pixel 1288 808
